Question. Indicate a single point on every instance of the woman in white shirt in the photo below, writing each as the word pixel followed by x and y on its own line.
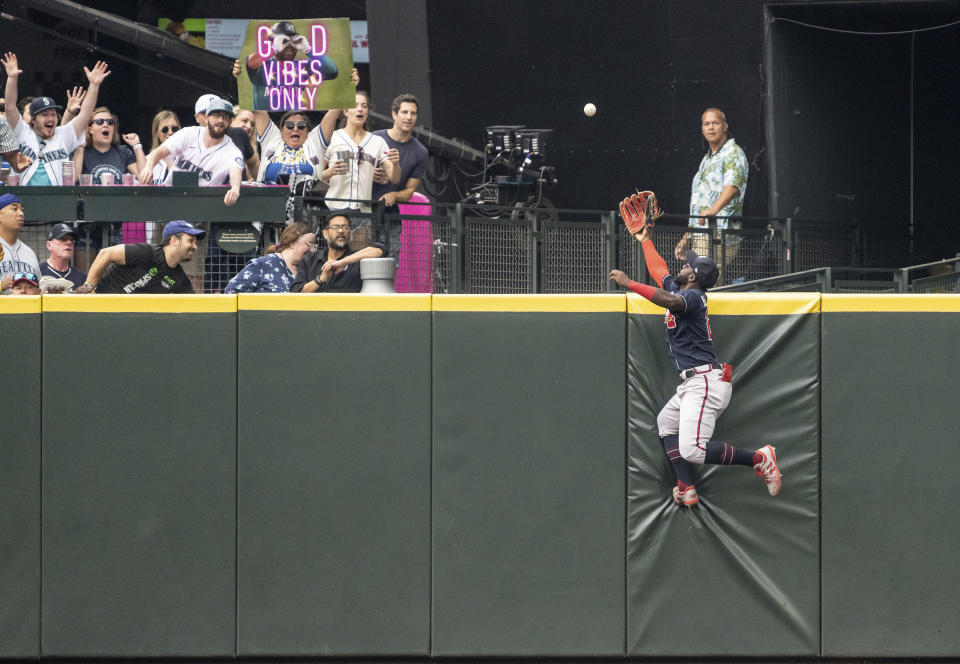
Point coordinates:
pixel 352 156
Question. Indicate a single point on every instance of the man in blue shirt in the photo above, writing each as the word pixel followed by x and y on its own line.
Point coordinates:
pixel 687 422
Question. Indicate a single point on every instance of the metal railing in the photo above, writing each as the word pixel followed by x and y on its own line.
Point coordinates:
pixel 478 248
pixel 937 277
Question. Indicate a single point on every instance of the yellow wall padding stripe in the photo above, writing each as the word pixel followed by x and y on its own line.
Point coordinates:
pixel 140 304
pixel 833 303
pixel 741 304
pixel 531 303
pixel 20 304
pixel 333 302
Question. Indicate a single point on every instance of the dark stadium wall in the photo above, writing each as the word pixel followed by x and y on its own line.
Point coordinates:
pixel 856 117
pixel 650 66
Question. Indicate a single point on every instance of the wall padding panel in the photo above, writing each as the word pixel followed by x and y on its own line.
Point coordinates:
pixel 738 575
pixel 20 477
pixel 890 541
pixel 334 489
pixel 528 476
pixel 139 476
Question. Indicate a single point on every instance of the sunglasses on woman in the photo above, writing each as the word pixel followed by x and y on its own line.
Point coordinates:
pixel 169 130
pixel 103 121
pixel 290 124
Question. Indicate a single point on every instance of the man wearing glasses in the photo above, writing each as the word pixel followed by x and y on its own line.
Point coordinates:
pixel 336 269
pixel 15 256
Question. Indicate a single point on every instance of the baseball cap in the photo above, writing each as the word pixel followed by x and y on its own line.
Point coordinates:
pixel 284 28
pixel 704 268
pixel 41 104
pixel 217 104
pixel 203 103
pixel 9 199
pixel 180 226
pixel 59 230
pixel 26 276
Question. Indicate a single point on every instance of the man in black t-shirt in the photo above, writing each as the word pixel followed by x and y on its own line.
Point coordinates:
pixel 413 155
pixel 145 268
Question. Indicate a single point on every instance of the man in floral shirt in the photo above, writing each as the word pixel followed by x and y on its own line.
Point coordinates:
pixel 718 187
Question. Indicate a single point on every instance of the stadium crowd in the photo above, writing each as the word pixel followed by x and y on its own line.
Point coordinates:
pixel 48 143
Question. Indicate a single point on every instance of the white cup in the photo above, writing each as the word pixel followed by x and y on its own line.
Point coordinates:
pixel 106 179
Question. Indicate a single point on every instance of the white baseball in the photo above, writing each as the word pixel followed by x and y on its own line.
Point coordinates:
pixel 590 110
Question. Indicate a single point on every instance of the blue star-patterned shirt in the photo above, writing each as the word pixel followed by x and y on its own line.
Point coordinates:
pixel 265 274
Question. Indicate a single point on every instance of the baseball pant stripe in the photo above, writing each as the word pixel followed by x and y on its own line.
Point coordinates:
pixel 703 404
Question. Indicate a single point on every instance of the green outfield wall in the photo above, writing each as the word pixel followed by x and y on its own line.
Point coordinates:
pixel 469 476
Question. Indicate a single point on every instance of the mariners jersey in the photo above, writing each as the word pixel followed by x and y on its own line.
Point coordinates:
pixel 17 257
pixel 55 151
pixel 357 183
pixel 212 165
pixel 689 339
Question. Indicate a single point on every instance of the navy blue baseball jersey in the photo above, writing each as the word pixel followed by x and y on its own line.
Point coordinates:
pixel 688 332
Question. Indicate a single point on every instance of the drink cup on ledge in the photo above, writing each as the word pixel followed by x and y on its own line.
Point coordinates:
pixel 13 179
pixel 106 179
pixel 128 179
pixel 66 173
pixel 86 179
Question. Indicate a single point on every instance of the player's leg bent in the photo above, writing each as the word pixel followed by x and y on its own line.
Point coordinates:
pixel 668 423
pixel 668 419
pixel 702 400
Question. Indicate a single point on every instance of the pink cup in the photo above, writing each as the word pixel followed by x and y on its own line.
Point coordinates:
pixel 128 179
pixel 106 179
pixel 13 179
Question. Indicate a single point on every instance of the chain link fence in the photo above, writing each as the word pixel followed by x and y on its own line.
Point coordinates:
pixel 443 248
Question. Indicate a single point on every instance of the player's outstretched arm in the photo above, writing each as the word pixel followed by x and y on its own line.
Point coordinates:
pixel 656 266
pixel 658 296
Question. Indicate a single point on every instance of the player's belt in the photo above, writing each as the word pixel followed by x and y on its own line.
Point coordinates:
pixel 702 369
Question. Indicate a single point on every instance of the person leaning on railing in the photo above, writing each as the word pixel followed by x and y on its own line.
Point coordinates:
pixel 277 269
pixel 145 268
pixel 337 268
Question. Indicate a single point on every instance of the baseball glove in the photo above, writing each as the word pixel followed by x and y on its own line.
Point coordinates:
pixel 639 210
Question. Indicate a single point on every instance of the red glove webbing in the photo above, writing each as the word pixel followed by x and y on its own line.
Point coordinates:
pixel 642 289
pixel 656 266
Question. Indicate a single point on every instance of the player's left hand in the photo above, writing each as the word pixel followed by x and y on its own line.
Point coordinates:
pixel 619 277
pixel 231 196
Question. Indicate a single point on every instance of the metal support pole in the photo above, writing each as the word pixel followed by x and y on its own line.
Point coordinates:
pixel 608 221
pixel 457 250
